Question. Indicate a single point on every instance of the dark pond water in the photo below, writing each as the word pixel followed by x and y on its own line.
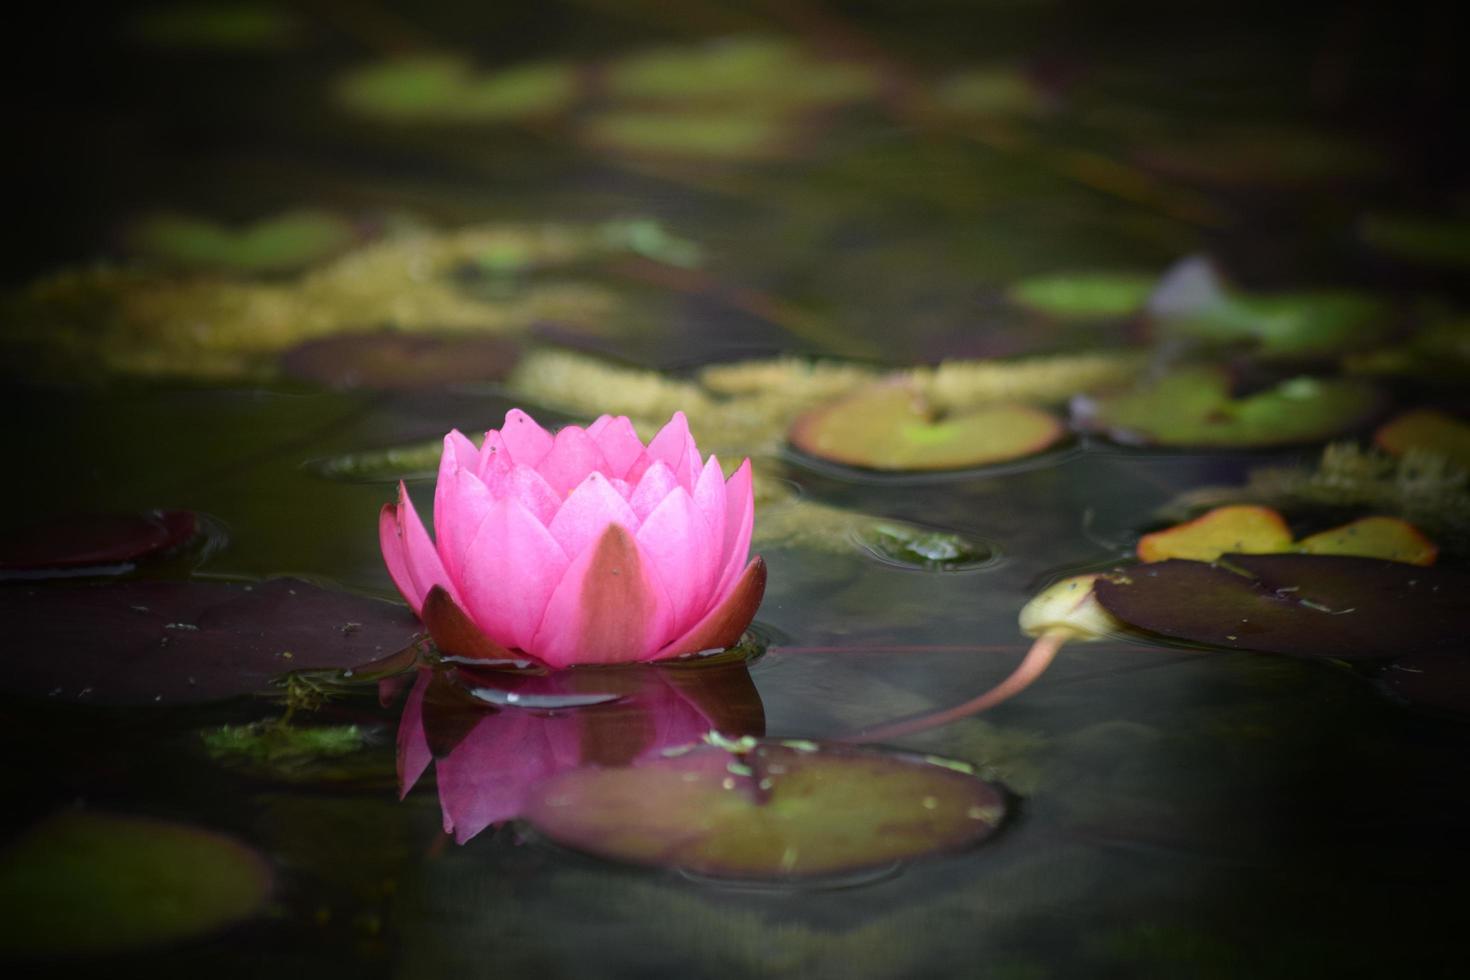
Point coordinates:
pixel 262 257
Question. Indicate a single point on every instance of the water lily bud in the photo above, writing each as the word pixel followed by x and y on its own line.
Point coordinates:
pixel 581 547
pixel 1069 607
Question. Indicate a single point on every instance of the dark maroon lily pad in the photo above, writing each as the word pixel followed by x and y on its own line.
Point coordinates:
pixel 769 810
pixel 1334 606
pixel 1431 680
pixel 396 361
pixel 139 643
pixel 100 541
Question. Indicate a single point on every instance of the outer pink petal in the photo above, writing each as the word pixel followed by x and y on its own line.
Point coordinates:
pixel 598 424
pixel 739 522
pixel 494 456
pixel 511 568
pixel 420 558
pixel 527 442
pixel 722 626
pixel 395 556
pixel 619 443
pixel 710 501
pixel 656 484
pixel 573 455
pixel 586 514
pixel 676 541
pixel 607 609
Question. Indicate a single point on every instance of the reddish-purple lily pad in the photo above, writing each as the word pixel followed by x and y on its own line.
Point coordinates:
pixel 1335 606
pixel 397 361
pixel 101 541
pixel 1432 680
pixel 139 643
pixel 769 810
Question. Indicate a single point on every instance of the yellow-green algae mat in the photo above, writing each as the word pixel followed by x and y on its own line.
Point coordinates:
pixel 87 883
pixel 767 810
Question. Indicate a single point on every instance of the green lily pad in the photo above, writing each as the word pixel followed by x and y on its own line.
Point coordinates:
pixel 1084 295
pixel 1428 239
pixel 769 810
pixel 693 135
pixel 218 26
pixel 772 72
pixel 892 427
pixel 284 243
pixel 445 89
pixel 419 460
pixel 990 92
pixel 909 546
pixel 98 884
pixel 1428 431
pixel 1194 407
pixel 1335 606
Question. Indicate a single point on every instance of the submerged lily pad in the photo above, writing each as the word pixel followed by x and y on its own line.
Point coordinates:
pixel 445 89
pixel 769 810
pixel 283 243
pixel 396 361
pixel 100 541
pixel 771 72
pixel 994 91
pixel 1429 239
pixel 97 884
pixel 910 546
pixel 1194 407
pixel 1253 529
pixel 893 427
pixel 140 643
pixel 1084 295
pixel 1429 431
pixel 1305 605
pixel 692 135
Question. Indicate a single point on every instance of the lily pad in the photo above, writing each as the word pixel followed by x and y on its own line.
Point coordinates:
pixel 909 546
pixel 893 427
pixel 773 72
pixel 446 89
pixel 1194 407
pixel 225 26
pixel 142 643
pixel 1265 156
pixel 1084 295
pixel 693 135
pixel 99 884
pixel 283 243
pixel 1429 431
pixel 995 91
pixel 1252 529
pixel 383 360
pixel 1305 605
pixel 1428 239
pixel 769 810
pixel 107 542
pixel 1432 680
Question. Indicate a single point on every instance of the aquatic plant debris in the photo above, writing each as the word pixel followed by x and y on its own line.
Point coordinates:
pixel 781 813
pixel 1194 407
pixel 1332 606
pixel 169 643
pixel 1253 529
pixel 90 884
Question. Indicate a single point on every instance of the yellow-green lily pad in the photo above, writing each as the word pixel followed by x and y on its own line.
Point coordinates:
pixel 769 810
pixel 992 91
pixel 1239 528
pixel 283 243
pixel 1084 295
pixel 1373 537
pixel 693 134
pixel 99 884
pixel 1427 430
pixel 1195 408
pixel 771 72
pixel 446 89
pixel 893 427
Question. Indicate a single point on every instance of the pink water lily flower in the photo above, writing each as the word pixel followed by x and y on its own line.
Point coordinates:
pixel 583 547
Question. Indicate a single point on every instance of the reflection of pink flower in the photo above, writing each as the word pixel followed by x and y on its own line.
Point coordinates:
pixel 487 760
pixel 582 547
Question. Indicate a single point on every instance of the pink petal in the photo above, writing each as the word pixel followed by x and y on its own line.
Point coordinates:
pixel 739 522
pixel 607 609
pixel 494 456
pixel 461 502
pixel 586 514
pixel 511 568
pixel 571 458
pixel 527 442
pixel 619 444
pixel 484 779
pixel 395 556
pixel 656 484
pixel 598 424
pixel 420 556
pixel 723 625
pixel 676 542
pixel 526 485
pixel 672 445
pixel 709 501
